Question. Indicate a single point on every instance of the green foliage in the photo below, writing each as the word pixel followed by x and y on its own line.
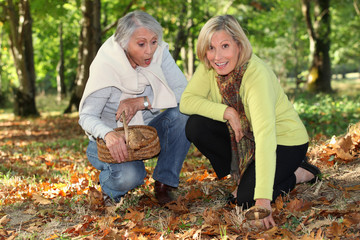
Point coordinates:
pixel 327 114
pixel 276 30
pixel 345 36
pixel 47 42
pixel 4 102
pixel 49 104
pixel 278 34
pixel 8 76
pixel 291 223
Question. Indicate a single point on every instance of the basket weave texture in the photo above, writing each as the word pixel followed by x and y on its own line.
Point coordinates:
pixel 142 143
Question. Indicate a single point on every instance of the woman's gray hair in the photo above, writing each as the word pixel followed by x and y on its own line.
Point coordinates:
pixel 132 21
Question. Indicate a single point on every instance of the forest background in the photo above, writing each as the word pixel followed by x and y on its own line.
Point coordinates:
pixel 46 49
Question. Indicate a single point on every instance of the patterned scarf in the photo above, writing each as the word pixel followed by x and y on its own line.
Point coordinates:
pixel 243 152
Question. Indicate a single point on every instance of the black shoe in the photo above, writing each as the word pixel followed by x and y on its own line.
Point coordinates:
pixel 231 199
pixel 313 169
pixel 163 193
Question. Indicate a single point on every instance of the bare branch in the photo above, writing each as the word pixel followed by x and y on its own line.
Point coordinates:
pixel 356 7
pixel 113 24
pixel 306 12
pixel 108 27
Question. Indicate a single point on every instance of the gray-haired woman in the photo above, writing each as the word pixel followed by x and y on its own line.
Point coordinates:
pixel 133 72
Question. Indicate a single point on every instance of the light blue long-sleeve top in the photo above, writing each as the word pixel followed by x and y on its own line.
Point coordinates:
pixel 97 115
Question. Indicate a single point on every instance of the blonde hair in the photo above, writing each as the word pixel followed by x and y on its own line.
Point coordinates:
pixel 232 27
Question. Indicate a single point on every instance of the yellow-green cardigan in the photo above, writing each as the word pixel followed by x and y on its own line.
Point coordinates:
pixel 272 117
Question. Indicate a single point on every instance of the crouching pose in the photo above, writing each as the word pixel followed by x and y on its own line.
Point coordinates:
pixel 242 121
pixel 133 72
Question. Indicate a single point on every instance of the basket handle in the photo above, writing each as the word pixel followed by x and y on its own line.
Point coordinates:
pixel 126 128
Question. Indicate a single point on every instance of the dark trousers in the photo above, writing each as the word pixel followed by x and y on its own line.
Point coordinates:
pixel 212 138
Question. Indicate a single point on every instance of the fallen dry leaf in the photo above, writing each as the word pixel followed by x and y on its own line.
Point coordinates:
pixel 318 224
pixel 134 215
pixel 211 217
pixel 335 230
pixel 295 205
pixel 194 193
pixel 40 199
pixel 345 143
pixel 179 206
pixel 4 220
pixel 79 210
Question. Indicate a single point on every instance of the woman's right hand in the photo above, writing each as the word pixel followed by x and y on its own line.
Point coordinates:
pixel 117 146
pixel 269 220
pixel 232 116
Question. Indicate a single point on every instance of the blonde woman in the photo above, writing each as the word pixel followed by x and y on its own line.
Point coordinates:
pixel 242 121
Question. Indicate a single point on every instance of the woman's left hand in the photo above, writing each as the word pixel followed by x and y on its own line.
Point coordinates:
pixel 232 116
pixel 269 220
pixel 130 106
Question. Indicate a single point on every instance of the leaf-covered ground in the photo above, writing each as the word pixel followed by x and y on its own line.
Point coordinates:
pixel 48 190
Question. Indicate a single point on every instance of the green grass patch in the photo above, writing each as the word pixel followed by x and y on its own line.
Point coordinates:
pixel 327 114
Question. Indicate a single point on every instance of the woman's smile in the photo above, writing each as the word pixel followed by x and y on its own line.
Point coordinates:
pixel 223 53
pixel 221 65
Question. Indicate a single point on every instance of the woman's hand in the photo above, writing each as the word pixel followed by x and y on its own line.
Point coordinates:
pixel 232 116
pixel 130 106
pixel 269 220
pixel 117 146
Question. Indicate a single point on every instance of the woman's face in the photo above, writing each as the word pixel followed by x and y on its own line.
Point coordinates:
pixel 141 47
pixel 223 53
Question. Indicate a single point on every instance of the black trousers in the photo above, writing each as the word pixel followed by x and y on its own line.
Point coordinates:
pixel 212 138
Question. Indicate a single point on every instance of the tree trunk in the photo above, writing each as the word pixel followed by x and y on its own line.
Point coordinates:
pixel 21 45
pixel 191 58
pixel 181 34
pixel 60 78
pixel 89 44
pixel 295 45
pixel 319 78
pixel 1 40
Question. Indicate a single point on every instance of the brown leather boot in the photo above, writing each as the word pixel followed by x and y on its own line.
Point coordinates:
pixel 163 193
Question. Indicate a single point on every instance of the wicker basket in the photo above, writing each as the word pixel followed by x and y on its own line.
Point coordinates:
pixel 138 149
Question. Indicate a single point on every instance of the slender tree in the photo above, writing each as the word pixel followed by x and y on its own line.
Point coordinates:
pixel 60 68
pixel 89 44
pixel 1 41
pixel 318 27
pixel 20 34
pixel 183 30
